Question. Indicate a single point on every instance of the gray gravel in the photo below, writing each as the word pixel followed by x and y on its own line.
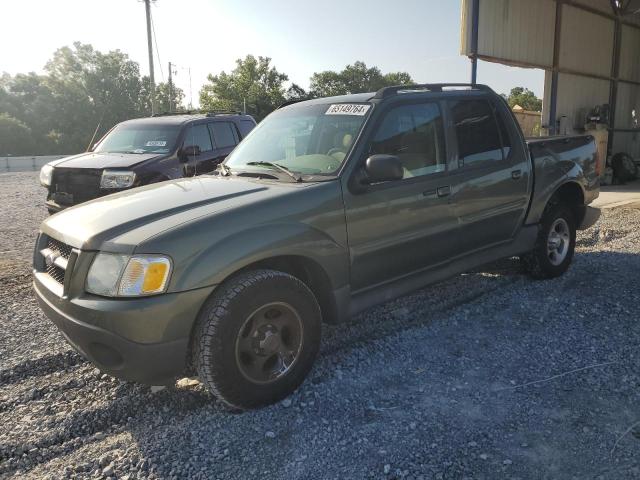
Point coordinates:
pixel 488 375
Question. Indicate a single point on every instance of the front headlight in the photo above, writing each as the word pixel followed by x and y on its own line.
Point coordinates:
pixel 46 174
pixel 123 276
pixel 117 179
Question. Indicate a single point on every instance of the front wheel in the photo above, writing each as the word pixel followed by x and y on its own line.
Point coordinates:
pixel 257 337
pixel 555 244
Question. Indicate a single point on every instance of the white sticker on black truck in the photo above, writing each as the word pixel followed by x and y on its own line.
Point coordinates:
pixel 347 109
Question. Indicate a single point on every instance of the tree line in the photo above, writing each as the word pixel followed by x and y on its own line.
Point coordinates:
pixel 84 92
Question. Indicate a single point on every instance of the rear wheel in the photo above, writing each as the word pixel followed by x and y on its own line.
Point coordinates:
pixel 555 244
pixel 257 338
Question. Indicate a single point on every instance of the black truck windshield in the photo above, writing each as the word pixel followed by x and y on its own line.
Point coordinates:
pixel 304 139
pixel 134 138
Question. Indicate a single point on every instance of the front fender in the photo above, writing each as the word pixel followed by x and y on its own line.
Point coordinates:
pixel 231 253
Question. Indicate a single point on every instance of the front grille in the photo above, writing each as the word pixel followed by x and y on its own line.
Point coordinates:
pixel 56 273
pixel 54 258
pixel 71 186
pixel 56 246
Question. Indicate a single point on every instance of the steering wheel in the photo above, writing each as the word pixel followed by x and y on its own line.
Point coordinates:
pixel 335 150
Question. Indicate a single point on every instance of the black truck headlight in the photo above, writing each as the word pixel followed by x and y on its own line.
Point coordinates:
pixel 117 179
pixel 46 174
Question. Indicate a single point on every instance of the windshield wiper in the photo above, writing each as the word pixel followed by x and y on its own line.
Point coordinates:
pixel 282 168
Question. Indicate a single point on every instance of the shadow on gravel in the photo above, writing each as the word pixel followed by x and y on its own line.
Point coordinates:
pixel 40 367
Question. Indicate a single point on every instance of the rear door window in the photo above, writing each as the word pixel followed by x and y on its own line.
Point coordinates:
pixel 199 135
pixel 223 134
pixel 477 133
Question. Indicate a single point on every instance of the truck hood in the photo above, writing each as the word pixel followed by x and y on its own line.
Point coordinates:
pixel 95 224
pixel 100 160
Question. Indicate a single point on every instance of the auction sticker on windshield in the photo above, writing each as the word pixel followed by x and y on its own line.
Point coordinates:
pixel 347 109
pixel 156 143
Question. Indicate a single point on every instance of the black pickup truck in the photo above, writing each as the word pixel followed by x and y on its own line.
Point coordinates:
pixel 328 207
pixel 143 151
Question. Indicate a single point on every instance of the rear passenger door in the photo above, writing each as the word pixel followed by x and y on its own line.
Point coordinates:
pixel 225 137
pixel 490 186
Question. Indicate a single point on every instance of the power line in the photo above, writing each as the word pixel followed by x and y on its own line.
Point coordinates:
pixel 155 40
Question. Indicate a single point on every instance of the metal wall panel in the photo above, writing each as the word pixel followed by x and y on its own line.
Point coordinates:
pixel 586 41
pixel 628 106
pixel 577 95
pixel 630 54
pixel 626 142
pixel 514 31
pixel 601 5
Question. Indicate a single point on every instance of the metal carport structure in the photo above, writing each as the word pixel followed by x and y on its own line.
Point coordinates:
pixel 589 49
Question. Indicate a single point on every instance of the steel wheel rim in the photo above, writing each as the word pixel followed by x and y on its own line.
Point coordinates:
pixel 558 241
pixel 269 343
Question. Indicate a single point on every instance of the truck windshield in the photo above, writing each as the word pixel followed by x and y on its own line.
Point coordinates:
pixel 133 138
pixel 305 139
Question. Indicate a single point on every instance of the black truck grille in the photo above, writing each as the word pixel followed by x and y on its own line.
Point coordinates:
pixel 71 186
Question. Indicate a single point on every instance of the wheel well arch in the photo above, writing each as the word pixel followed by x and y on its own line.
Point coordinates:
pixel 309 272
pixel 570 194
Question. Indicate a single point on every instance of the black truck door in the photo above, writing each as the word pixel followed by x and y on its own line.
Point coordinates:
pixel 225 137
pixel 204 162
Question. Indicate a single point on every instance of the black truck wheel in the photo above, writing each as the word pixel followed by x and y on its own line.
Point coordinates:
pixel 256 338
pixel 555 244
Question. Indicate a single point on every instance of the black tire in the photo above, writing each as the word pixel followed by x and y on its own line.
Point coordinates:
pixel 225 322
pixel 624 168
pixel 542 264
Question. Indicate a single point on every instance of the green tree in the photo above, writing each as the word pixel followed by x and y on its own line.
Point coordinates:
pixel 356 78
pixel 15 136
pixel 162 98
pixel 525 98
pixel 254 83
pixel 92 91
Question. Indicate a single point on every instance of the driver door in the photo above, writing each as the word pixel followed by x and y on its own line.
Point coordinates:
pixel 399 227
pixel 198 135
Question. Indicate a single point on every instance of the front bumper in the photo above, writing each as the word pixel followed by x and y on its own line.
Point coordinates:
pixel 144 340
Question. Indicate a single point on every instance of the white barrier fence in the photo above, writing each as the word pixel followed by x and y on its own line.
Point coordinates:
pixel 25 164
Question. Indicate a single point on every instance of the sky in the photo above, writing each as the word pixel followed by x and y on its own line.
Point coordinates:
pixel 421 37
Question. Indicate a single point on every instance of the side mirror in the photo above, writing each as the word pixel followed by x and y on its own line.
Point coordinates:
pixel 383 168
pixel 189 151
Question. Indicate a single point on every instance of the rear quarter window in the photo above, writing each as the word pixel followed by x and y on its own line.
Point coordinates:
pixel 477 134
pixel 245 127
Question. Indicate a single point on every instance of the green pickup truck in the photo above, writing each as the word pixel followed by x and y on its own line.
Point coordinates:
pixel 328 207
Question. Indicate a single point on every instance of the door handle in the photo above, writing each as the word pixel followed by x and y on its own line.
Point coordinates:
pixel 444 191
pixel 516 174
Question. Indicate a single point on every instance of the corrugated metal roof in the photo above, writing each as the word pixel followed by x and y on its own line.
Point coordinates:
pixel 586 41
pixel 512 30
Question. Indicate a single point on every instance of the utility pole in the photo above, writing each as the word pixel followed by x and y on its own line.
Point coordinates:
pixel 170 90
pixel 147 7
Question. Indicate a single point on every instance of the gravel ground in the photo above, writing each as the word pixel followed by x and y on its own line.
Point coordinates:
pixel 488 375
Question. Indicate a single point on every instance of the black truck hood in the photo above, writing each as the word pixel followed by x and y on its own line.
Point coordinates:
pixel 100 160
